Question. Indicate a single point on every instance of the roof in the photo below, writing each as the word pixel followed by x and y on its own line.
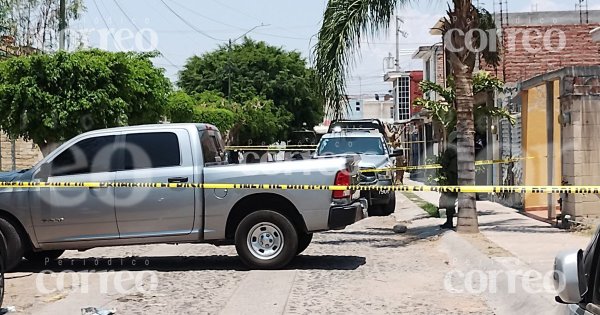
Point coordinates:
pixel 354 134
pixel 156 126
pixel 426 50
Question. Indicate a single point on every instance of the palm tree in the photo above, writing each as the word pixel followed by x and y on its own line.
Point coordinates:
pixel 345 22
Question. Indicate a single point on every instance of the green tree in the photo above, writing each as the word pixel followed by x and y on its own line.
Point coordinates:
pixel 256 69
pixel 207 107
pixel 346 22
pixel 256 120
pixel 48 98
pixel 444 111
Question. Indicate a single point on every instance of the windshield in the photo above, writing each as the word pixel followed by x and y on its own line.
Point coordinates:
pixel 351 145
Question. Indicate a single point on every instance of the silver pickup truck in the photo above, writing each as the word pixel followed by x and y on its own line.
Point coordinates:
pixel 268 227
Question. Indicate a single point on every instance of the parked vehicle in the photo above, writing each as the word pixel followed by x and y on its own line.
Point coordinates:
pixel 3 254
pixel 359 124
pixel 577 278
pixel 268 227
pixel 375 154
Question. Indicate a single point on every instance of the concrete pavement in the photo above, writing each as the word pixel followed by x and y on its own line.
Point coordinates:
pixel 510 244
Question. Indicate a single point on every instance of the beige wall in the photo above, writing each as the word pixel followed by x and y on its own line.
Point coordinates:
pixel 25 153
pixel 377 109
pixel 581 154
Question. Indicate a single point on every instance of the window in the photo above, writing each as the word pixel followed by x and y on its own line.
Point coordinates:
pixel 151 150
pixel 351 145
pixel 93 155
pixel 212 149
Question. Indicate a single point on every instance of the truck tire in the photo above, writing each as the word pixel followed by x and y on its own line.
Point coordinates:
pixel 304 240
pixel 14 244
pixel 391 206
pixel 43 256
pixel 266 240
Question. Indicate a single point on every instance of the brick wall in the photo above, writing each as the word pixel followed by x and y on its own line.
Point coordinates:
pixel 25 153
pixel 533 50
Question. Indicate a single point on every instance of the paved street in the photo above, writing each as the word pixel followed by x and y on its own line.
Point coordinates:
pixel 365 268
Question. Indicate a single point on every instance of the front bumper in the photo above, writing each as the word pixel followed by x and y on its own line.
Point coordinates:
pixel 342 216
pixel 378 197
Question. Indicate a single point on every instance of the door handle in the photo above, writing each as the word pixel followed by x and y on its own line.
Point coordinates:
pixel 178 180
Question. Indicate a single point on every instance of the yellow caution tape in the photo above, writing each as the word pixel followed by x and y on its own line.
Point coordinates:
pixel 456 189
pixel 436 166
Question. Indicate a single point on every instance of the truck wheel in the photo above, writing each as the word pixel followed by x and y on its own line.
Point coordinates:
pixel 40 257
pixel 391 206
pixel 14 244
pixel 303 241
pixel 266 240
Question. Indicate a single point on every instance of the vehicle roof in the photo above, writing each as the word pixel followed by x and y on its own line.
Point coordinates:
pixel 353 134
pixel 156 126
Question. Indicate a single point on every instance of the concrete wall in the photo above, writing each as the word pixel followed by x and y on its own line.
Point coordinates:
pixel 378 109
pixel 581 154
pixel 19 154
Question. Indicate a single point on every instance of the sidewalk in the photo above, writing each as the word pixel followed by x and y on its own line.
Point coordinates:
pixel 532 241
pixel 511 252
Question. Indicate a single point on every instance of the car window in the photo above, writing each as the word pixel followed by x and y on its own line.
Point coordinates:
pixel 212 147
pixel 92 155
pixel 151 150
pixel 351 145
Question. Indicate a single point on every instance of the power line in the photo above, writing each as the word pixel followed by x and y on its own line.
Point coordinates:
pixel 190 24
pixel 104 20
pixel 141 33
pixel 236 10
pixel 205 16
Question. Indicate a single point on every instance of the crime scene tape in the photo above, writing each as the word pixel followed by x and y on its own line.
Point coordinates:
pixel 456 189
pixel 436 166
pixel 270 149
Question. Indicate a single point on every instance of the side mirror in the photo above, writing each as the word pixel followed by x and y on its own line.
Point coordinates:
pixel 396 153
pixel 44 172
pixel 566 276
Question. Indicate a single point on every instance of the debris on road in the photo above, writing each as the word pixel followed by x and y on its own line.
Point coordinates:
pixel 400 228
pixel 95 311
pixel 8 309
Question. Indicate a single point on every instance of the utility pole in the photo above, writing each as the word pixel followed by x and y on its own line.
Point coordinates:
pixel 62 24
pixel 229 52
pixel 397 81
pixel 229 72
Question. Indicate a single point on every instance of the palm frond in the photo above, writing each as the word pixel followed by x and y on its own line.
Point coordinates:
pixel 345 22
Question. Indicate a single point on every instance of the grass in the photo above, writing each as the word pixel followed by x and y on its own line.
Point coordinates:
pixel 430 208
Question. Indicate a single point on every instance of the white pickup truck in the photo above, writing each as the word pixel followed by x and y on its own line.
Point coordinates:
pixel 268 227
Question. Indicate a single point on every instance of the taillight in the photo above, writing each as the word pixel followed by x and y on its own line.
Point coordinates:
pixel 342 178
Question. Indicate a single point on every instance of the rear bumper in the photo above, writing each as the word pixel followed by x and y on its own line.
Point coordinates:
pixel 342 216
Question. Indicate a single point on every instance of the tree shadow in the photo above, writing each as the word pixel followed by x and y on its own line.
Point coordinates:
pixel 384 238
pixel 184 263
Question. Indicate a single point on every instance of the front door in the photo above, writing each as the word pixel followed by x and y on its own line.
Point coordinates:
pixel 72 214
pixel 155 157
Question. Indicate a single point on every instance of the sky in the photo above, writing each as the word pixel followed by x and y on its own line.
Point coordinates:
pixel 180 29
